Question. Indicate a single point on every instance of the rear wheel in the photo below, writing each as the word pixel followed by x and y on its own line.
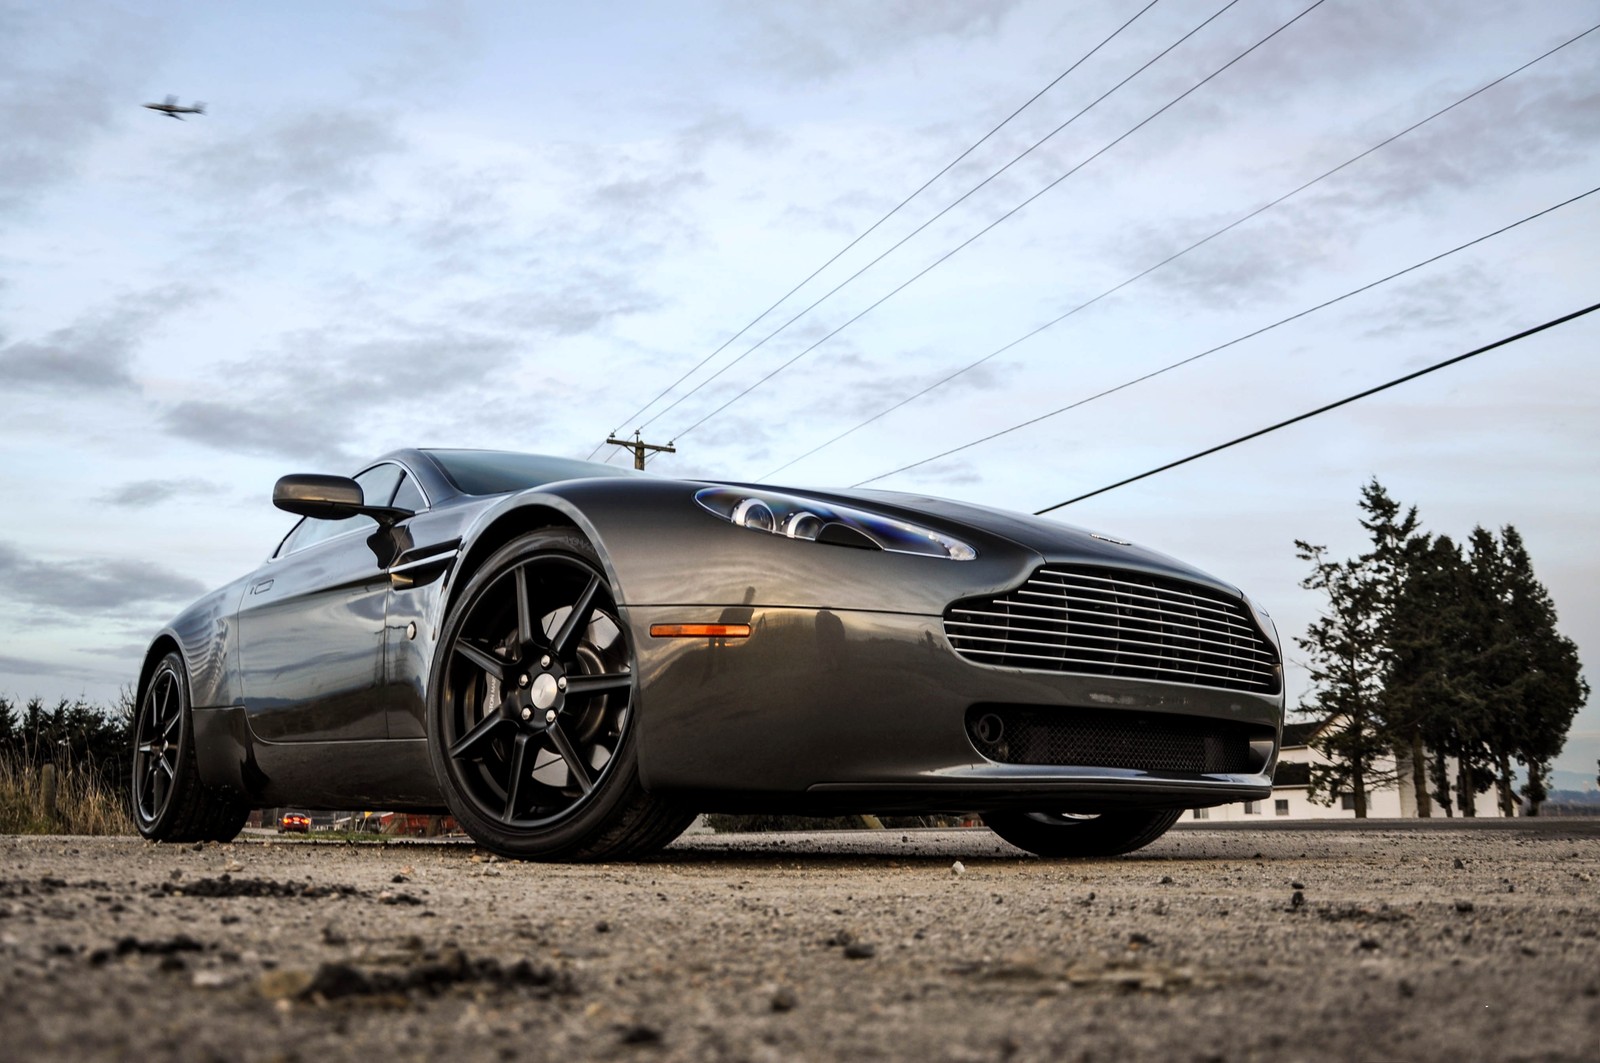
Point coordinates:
pixel 169 802
pixel 1061 834
pixel 531 710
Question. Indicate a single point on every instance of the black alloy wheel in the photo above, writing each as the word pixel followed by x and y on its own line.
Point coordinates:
pixel 532 706
pixel 169 802
pixel 1064 834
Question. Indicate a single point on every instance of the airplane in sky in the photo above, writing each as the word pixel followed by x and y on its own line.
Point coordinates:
pixel 172 109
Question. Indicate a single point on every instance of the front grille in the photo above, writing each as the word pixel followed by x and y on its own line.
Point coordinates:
pixel 1101 621
pixel 1089 738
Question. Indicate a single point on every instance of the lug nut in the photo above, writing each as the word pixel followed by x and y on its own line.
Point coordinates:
pixel 550 716
pixel 561 683
pixel 522 680
pixel 544 662
pixel 527 714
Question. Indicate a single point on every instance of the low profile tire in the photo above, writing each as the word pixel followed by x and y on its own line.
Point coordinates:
pixel 169 802
pixel 1054 834
pixel 531 710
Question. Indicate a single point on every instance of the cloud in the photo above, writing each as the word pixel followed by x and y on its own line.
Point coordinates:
pixel 94 353
pixel 142 494
pixel 25 666
pixel 424 48
pixel 64 72
pixel 63 589
pixel 815 39
pixel 1251 263
pixel 1444 302
pixel 323 395
pixel 1533 124
pixel 300 161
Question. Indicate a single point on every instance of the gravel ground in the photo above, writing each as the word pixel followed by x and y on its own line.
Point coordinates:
pixel 1212 944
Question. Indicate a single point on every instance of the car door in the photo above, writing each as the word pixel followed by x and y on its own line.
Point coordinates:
pixel 311 629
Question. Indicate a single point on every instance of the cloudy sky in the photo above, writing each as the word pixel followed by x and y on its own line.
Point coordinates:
pixel 518 225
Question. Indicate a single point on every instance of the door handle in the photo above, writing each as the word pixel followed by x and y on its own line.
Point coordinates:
pixel 262 587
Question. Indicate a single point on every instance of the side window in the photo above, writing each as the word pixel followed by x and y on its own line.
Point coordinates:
pixel 378 486
pixel 409 496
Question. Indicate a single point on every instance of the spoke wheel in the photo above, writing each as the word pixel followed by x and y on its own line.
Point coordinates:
pixel 1066 834
pixel 169 801
pixel 157 742
pixel 532 708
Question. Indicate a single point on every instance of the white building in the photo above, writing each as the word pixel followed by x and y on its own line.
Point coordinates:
pixel 1292 783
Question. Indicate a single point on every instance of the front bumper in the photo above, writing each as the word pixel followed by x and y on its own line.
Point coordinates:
pixel 837 709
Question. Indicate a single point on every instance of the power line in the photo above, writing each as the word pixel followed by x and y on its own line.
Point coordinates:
pixel 941 259
pixel 1231 343
pixel 1330 406
pixel 830 293
pixel 897 208
pixel 1177 255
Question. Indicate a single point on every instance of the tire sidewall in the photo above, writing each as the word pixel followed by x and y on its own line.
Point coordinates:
pixel 620 781
pixel 160 826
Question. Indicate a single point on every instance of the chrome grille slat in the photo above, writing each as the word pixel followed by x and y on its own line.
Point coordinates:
pixel 1228 617
pixel 1112 648
pixel 1093 621
pixel 1174 674
pixel 1057 620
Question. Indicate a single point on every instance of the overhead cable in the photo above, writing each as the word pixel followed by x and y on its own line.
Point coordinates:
pixel 896 209
pixel 1330 406
pixel 1231 343
pixel 969 240
pixel 1176 255
pixel 948 207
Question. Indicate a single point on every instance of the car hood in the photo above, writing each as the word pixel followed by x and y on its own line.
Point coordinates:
pixel 1055 541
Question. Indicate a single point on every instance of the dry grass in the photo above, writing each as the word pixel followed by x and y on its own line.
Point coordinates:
pixel 84 804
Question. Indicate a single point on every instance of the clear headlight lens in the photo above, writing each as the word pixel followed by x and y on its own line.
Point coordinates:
pixel 814 520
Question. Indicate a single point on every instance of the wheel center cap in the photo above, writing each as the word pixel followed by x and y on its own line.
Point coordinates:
pixel 544 691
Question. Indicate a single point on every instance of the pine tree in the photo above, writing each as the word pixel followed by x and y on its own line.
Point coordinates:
pixel 1548 688
pixel 1423 687
pixel 1346 676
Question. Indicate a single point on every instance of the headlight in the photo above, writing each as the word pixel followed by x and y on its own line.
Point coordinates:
pixel 816 521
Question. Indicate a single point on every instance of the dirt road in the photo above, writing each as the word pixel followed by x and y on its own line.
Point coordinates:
pixel 1210 945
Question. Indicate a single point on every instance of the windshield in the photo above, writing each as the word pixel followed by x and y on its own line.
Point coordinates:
pixel 494 472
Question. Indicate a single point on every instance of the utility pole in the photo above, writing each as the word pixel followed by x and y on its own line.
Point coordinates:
pixel 639 446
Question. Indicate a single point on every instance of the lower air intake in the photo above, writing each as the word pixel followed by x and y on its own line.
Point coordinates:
pixel 1090 738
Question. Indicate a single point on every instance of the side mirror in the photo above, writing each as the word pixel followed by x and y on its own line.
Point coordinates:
pixel 310 494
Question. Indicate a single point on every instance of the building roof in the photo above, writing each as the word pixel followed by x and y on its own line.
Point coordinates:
pixel 1300 734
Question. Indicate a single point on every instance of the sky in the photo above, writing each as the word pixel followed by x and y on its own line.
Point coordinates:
pixel 527 226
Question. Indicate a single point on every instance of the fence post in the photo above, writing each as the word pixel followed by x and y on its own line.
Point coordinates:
pixel 47 790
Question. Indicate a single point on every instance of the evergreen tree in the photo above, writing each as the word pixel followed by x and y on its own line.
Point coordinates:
pixel 1548 688
pixel 1423 685
pixel 1346 674
pixel 1434 657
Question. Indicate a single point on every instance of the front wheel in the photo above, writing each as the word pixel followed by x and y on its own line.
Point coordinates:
pixel 1059 834
pixel 170 804
pixel 532 706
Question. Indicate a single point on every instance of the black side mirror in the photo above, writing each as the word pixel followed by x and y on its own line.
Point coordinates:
pixel 309 494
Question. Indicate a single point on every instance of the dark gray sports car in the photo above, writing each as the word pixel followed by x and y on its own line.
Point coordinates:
pixel 574 660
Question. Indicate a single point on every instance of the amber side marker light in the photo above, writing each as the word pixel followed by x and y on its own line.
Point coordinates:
pixel 699 631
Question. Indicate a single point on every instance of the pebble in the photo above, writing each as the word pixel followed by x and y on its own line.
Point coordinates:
pixel 860 950
pixel 784 999
pixel 958 868
pixel 1464 906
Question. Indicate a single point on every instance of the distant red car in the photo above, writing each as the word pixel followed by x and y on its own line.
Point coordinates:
pixel 295 821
